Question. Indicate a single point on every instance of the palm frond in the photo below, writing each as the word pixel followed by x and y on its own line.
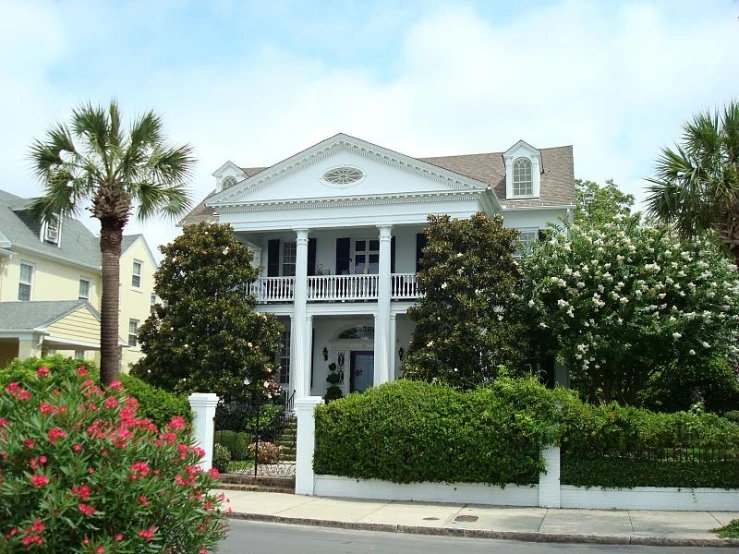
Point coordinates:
pixel 91 124
pixel 170 165
pixel 153 198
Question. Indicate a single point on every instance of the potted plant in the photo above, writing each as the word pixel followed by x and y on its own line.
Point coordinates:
pixel 333 391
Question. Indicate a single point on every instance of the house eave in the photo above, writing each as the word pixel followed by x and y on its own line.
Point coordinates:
pixel 54 257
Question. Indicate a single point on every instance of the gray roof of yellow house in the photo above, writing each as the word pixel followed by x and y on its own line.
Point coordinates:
pixel 77 243
pixel 24 316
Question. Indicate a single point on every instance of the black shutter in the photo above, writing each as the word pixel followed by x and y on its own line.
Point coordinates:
pixel 392 255
pixel 343 250
pixel 311 256
pixel 273 258
pixel 420 245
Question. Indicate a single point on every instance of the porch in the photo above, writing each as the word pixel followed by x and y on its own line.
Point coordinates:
pixel 335 288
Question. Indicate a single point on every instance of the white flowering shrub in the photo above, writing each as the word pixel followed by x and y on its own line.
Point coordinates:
pixel 623 301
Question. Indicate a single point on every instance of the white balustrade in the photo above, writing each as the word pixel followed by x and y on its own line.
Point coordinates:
pixel 332 288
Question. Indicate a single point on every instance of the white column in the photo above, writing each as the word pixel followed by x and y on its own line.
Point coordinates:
pixel 299 331
pixel 394 346
pixel 306 445
pixel 308 353
pixel 549 489
pixel 203 406
pixel 383 345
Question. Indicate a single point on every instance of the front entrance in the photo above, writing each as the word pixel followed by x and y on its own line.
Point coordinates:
pixel 361 371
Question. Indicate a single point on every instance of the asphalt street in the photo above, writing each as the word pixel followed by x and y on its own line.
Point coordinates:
pixel 247 537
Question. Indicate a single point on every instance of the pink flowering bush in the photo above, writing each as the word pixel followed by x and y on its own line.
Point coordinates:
pixel 80 471
pixel 268 452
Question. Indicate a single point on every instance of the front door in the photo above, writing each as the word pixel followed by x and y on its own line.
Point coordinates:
pixel 362 371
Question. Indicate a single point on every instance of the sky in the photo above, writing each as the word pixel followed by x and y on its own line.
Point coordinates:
pixel 254 82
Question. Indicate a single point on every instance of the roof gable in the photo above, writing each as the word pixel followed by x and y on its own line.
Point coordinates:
pixel 130 240
pixel 379 167
pixel 26 316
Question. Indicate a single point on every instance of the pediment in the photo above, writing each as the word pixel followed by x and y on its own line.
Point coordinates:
pixel 344 167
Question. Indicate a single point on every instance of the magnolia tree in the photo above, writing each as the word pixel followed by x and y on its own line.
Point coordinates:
pixel 625 300
pixel 465 322
pixel 206 335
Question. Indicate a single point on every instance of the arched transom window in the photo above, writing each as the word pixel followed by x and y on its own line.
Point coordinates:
pixel 228 182
pixel 362 332
pixel 523 184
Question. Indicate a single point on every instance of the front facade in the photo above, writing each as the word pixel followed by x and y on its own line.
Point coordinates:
pixel 338 233
pixel 51 284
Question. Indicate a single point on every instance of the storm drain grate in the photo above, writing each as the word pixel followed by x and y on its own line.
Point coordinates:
pixel 465 519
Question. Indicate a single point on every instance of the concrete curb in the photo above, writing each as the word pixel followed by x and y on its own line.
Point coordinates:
pixel 489 533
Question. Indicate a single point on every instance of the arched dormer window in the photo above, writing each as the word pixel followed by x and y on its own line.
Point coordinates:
pixel 523 184
pixel 228 182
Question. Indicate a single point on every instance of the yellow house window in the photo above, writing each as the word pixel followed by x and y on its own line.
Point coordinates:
pixel 133 332
pixel 25 283
pixel 136 277
pixel 85 286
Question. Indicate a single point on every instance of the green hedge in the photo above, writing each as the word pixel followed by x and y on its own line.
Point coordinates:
pixel 156 404
pixel 236 443
pixel 409 431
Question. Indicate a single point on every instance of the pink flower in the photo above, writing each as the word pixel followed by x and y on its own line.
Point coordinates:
pixel 3 422
pixel 42 372
pixel 45 408
pixel 213 472
pixel 56 434
pixel 24 395
pixel 85 509
pixel 29 443
pixel 40 480
pixel 82 491
pixel 144 500
pixel 82 371
pixel 116 385
pixel 38 526
pixel 77 447
pixel 13 388
pixel 177 423
pixel 148 534
pixel 100 549
pixel 110 403
pixel 119 537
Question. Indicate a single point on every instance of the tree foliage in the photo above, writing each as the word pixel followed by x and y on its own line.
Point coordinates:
pixel 598 204
pixel 621 302
pixel 465 323
pixel 96 161
pixel 696 184
pixel 206 336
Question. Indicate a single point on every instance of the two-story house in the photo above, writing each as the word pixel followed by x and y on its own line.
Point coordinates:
pixel 50 286
pixel 338 232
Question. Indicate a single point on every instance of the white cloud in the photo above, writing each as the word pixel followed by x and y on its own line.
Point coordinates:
pixel 616 81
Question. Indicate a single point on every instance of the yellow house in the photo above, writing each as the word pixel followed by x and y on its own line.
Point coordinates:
pixel 50 285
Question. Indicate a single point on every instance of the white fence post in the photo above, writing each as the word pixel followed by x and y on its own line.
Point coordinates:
pixel 549 491
pixel 306 444
pixel 203 406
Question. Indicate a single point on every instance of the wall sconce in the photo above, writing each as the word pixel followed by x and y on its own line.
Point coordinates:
pixel 401 353
pixel 325 354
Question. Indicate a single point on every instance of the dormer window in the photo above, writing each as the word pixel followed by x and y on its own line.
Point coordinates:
pixel 51 231
pixel 228 182
pixel 523 184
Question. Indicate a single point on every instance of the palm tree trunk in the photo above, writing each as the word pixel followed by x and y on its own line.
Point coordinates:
pixel 729 232
pixel 111 236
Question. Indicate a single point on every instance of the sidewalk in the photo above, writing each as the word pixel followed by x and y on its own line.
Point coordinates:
pixel 525 524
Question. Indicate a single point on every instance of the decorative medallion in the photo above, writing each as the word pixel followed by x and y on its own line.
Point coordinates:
pixel 343 176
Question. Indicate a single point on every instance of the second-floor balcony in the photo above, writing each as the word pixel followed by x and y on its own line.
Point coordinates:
pixel 335 288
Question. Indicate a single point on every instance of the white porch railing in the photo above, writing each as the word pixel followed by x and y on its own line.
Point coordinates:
pixel 322 288
pixel 331 288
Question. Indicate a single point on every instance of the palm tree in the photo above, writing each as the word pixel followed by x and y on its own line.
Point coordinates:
pixel 696 186
pixel 96 163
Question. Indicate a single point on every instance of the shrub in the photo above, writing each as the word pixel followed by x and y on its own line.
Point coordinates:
pixel 236 443
pixel 81 472
pixel 408 432
pixel 221 458
pixel 154 403
pixel 268 452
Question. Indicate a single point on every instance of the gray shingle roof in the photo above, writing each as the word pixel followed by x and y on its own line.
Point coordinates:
pixel 20 316
pixel 557 187
pixel 77 243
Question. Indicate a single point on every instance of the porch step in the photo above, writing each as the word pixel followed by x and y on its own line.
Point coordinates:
pixel 263 483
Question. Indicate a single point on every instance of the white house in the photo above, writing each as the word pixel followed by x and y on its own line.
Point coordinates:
pixel 338 232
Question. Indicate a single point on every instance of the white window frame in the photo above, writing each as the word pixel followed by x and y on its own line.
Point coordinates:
pixel 523 150
pixel 79 354
pixel 89 289
pixel 532 235
pixel 521 166
pixel 29 283
pixel 136 278
pixel 366 252
pixel 51 231
pixel 288 249
pixel 133 332
pixel 152 303
pixel 283 357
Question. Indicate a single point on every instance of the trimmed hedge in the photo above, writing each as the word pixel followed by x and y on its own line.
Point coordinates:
pixel 236 443
pixel 154 403
pixel 410 431
pixel 407 432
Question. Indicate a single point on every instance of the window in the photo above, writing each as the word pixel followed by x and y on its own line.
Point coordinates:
pixel 361 332
pixel 289 253
pixel 79 354
pixel 153 304
pixel 228 182
pixel 133 332
pixel 525 239
pixel 523 184
pixel 85 287
pixel 51 230
pixel 367 256
pixel 284 357
pixel 343 175
pixel 25 283
pixel 136 277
